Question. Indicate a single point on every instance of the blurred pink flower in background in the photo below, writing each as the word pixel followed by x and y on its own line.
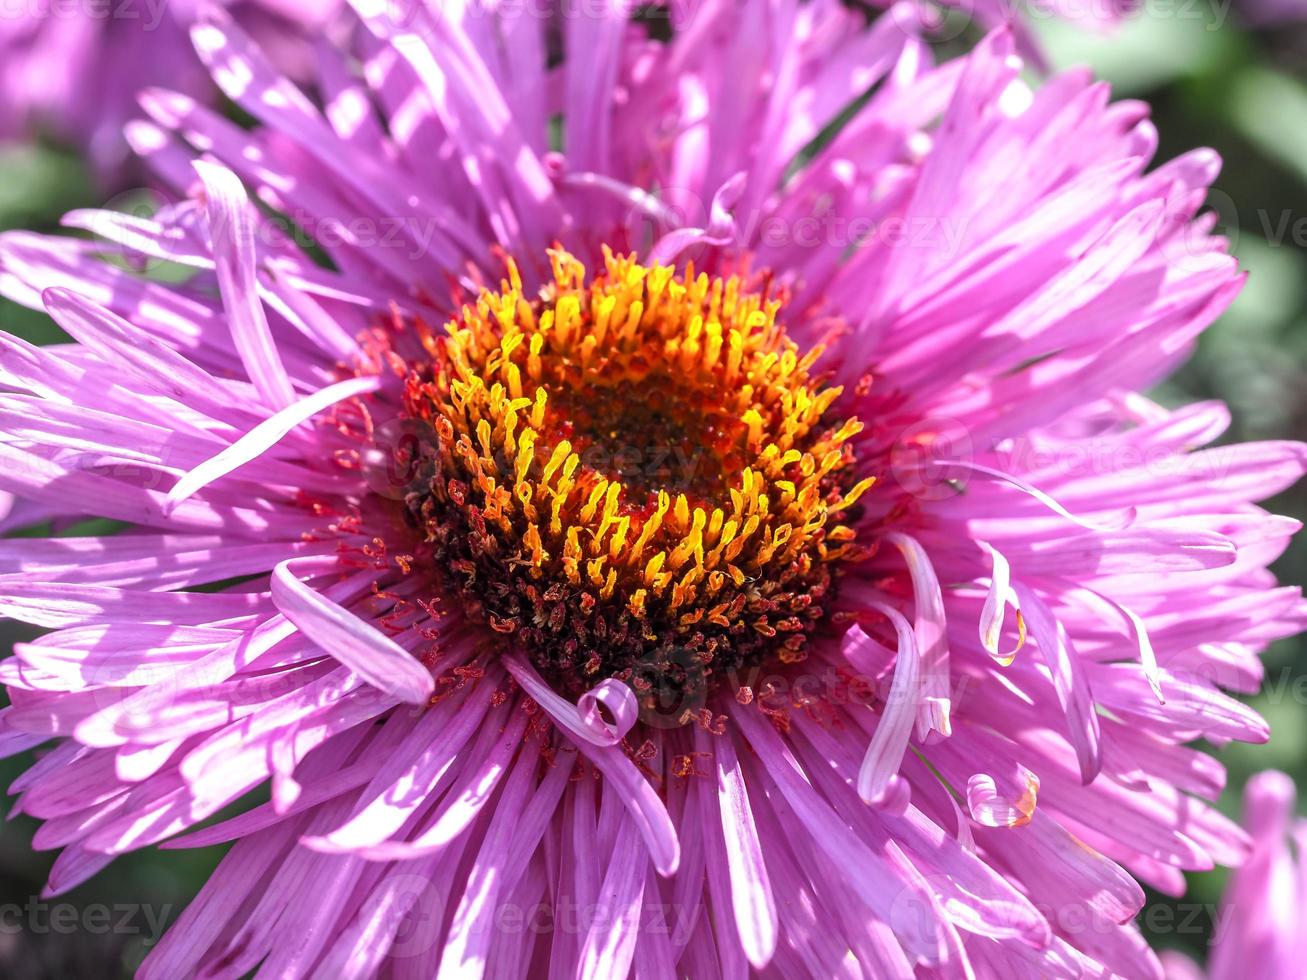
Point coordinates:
pixel 71 69
pixel 1261 927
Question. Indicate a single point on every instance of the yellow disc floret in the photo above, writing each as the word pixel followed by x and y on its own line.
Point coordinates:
pixel 633 477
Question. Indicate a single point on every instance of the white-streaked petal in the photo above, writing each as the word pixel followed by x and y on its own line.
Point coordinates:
pixel 997 598
pixel 752 900
pixel 264 436
pixel 1069 679
pixel 890 740
pixel 358 645
pixel 931 632
pixel 231 228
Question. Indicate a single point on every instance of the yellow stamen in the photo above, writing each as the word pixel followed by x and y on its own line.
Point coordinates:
pixel 635 469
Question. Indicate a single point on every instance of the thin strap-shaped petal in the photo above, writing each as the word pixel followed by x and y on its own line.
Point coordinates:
pixel 582 719
pixel 719 891
pixel 75 865
pixel 56 605
pixel 485 765
pixel 963 836
pixel 509 177
pixel 215 907
pixel 13 742
pixel 620 702
pixel 609 946
pixel 644 804
pixel 536 817
pixel 246 75
pixel 890 740
pixel 362 648
pixel 264 436
pixel 1147 656
pixel 635 198
pixel 1068 678
pixel 752 900
pixel 997 599
pixel 231 226
pixel 465 948
pixel 873 877
pixel 145 236
pixel 932 638
pixel 298 305
pixel 409 776
pixel 594 44
pixel 869 657
pixel 1115 522
pixel 58 485
pixel 146 357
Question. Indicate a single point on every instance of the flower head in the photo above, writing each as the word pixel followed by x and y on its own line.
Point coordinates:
pixel 677 500
pixel 72 70
pixel 549 494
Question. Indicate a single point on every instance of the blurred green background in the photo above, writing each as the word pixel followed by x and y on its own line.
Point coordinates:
pixel 1213 81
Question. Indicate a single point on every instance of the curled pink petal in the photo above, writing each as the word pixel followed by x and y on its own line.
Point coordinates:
pixel 931 637
pixel 989 807
pixel 583 719
pixel 720 230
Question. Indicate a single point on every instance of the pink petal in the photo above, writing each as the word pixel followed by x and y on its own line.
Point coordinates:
pixel 265 435
pixel 361 647
pixel 231 228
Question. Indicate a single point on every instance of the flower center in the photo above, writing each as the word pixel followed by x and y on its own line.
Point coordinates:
pixel 633 478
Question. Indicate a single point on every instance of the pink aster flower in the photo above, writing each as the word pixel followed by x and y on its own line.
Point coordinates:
pixel 1261 921
pixel 633 525
pixel 72 68
pixel 1260 927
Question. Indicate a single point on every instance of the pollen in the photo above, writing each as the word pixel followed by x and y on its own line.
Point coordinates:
pixel 633 475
